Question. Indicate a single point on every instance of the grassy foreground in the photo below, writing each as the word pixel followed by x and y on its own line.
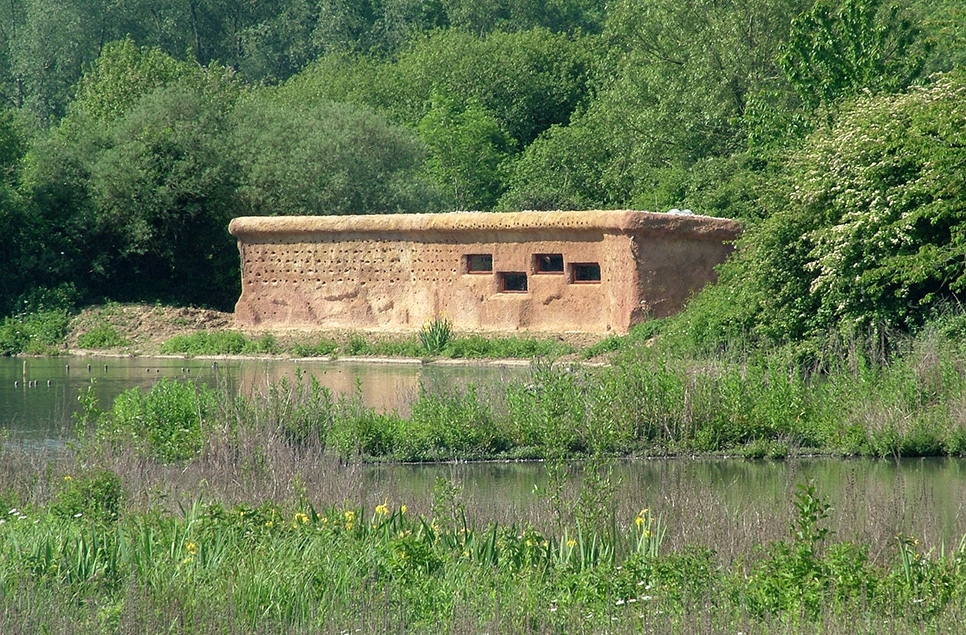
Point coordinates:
pixel 274 569
pixel 97 542
pixel 188 509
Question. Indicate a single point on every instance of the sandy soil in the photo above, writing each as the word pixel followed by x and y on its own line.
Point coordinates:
pixel 145 326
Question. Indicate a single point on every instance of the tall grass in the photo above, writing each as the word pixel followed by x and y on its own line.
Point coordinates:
pixel 222 513
pixel 307 565
pixel 435 340
pixel 646 403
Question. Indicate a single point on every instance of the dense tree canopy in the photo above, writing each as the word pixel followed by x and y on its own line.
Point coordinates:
pixel 131 132
pixel 325 158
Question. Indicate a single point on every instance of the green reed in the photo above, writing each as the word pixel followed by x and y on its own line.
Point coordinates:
pixel 331 567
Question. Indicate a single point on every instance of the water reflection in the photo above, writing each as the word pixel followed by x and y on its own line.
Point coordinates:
pixel 39 395
pixel 717 502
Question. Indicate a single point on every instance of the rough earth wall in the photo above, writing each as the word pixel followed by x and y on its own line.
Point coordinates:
pixel 579 271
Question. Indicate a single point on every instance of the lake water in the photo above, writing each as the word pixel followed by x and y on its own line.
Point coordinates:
pixel 38 396
pixel 750 500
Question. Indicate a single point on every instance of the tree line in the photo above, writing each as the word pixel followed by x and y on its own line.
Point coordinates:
pixel 131 132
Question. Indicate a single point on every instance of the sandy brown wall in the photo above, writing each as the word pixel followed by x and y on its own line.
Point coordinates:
pixel 672 268
pixel 393 283
pixel 387 273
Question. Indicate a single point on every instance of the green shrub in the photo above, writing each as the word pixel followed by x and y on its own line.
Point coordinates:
pixel 323 348
pixel 359 430
pixel 220 343
pixel 94 496
pixel 101 336
pixel 33 333
pixel 164 423
pixel 549 412
pixel 451 424
pixel 357 345
pixel 205 343
pixel 476 347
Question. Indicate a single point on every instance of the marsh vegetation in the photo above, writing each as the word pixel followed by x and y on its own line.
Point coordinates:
pixel 184 506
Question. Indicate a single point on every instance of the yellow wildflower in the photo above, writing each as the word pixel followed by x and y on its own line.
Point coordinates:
pixel 301 518
pixel 383 510
pixel 571 543
pixel 639 521
pixel 191 548
pixel 68 477
pixel 402 510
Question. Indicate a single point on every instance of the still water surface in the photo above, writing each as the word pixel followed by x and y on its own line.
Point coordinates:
pixel 38 396
pixel 921 497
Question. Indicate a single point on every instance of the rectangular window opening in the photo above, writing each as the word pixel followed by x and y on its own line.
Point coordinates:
pixel 513 282
pixel 548 263
pixel 479 263
pixel 585 272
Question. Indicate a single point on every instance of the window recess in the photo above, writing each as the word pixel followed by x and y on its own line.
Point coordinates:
pixel 512 282
pixel 585 272
pixel 478 263
pixel 548 263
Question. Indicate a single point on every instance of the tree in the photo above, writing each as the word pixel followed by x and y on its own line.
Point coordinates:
pixel 887 182
pixel 133 190
pixel 326 158
pixel 163 192
pixel 679 89
pixel 280 44
pixel 944 22
pixel 563 169
pixel 122 74
pixel 377 27
pixel 12 20
pixel 866 230
pixel 20 238
pixel 841 47
pixel 55 40
pixel 527 81
pixel 487 16
pixel 468 153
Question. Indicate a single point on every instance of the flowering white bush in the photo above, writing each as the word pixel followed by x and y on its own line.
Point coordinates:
pixel 887 183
